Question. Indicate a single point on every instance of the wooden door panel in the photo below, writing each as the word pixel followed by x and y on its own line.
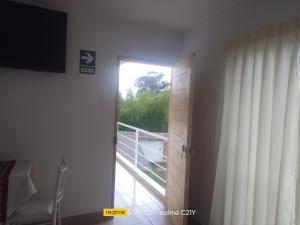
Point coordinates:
pixel 176 166
pixel 179 135
pixel 181 82
pixel 175 174
pixel 180 97
pixel 175 202
pixel 179 166
pixel 179 115
pixel 177 128
pixel 184 66
pixel 176 142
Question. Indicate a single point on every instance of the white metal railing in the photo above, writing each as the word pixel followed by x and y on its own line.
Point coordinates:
pixel 130 145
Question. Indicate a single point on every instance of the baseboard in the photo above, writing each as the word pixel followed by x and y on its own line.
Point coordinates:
pixel 87 219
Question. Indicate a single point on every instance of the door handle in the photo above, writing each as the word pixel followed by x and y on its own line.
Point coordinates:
pixel 191 150
pixel 183 150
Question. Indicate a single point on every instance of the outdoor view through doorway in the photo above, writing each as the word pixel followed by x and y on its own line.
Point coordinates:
pixel 142 134
pixel 154 126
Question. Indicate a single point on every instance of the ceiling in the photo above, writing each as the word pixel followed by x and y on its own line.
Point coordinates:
pixel 179 15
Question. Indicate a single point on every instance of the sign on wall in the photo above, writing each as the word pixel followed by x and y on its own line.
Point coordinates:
pixel 87 62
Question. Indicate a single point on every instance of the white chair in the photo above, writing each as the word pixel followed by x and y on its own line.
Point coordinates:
pixel 42 211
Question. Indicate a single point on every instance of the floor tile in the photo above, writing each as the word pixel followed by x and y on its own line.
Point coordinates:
pixel 141 204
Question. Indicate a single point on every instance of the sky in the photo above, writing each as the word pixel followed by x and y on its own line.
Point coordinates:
pixel 129 71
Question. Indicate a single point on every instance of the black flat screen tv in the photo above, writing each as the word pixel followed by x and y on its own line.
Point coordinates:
pixel 32 38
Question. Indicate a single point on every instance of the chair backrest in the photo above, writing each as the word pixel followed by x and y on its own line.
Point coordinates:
pixel 60 183
pixel 59 191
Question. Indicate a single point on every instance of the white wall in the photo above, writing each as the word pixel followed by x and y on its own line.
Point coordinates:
pixel 208 40
pixel 44 116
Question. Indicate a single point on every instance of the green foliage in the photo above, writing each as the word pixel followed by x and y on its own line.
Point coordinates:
pixel 148 108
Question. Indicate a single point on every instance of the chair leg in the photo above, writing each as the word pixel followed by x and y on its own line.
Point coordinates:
pixel 54 219
pixel 58 217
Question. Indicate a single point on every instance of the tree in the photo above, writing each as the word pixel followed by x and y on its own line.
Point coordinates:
pixel 130 94
pixel 151 82
pixel 148 111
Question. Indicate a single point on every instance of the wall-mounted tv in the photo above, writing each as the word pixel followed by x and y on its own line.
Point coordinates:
pixel 32 38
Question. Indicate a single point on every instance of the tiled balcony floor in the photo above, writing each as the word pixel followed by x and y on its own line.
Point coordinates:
pixel 140 202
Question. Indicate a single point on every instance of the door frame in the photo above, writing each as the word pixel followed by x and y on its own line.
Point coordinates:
pixel 118 59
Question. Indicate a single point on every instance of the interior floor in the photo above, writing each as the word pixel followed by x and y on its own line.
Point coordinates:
pixel 142 204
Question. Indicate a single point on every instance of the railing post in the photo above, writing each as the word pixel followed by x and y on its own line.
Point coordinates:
pixel 136 148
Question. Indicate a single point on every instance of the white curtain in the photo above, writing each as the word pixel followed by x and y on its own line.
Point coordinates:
pixel 256 179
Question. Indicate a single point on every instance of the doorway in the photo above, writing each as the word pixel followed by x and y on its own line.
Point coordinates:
pixel 142 127
pixel 153 133
pixel 142 138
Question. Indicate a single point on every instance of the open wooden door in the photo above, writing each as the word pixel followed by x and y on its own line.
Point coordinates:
pixel 179 148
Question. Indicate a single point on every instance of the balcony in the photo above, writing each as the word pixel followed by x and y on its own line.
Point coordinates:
pixel 144 154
